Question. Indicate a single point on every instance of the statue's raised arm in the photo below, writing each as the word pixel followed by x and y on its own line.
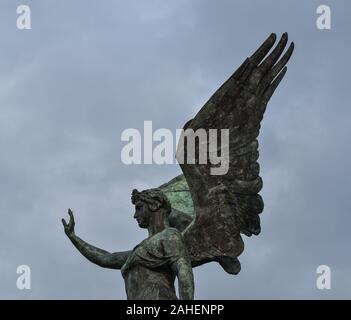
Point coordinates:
pixel 96 255
pixel 199 216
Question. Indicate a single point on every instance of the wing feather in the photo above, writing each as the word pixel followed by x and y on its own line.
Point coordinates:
pixel 229 205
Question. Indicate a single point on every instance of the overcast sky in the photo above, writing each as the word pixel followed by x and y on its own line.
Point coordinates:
pixel 87 70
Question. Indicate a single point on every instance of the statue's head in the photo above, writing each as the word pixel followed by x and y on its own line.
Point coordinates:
pixel 152 207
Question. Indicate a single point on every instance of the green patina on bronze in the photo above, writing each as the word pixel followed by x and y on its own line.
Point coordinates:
pixel 199 217
pixel 178 193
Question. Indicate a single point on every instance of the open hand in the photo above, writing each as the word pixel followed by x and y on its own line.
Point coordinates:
pixel 69 228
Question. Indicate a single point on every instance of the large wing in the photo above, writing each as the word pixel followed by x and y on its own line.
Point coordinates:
pixel 227 205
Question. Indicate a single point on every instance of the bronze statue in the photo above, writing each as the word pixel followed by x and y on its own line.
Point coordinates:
pixel 198 217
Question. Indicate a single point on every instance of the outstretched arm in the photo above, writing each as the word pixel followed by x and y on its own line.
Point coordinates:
pixel 96 255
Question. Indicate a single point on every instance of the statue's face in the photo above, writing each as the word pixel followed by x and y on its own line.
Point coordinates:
pixel 142 214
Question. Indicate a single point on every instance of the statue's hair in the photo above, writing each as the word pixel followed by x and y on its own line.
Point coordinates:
pixel 152 197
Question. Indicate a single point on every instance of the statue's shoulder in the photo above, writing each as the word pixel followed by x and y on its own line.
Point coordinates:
pixel 171 234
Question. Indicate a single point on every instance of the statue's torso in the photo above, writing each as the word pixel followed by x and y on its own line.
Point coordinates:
pixel 142 283
pixel 147 271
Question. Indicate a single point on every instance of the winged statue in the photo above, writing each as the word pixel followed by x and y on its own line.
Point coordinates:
pixel 199 217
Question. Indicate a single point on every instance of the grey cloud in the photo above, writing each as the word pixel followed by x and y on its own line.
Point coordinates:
pixel 86 72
